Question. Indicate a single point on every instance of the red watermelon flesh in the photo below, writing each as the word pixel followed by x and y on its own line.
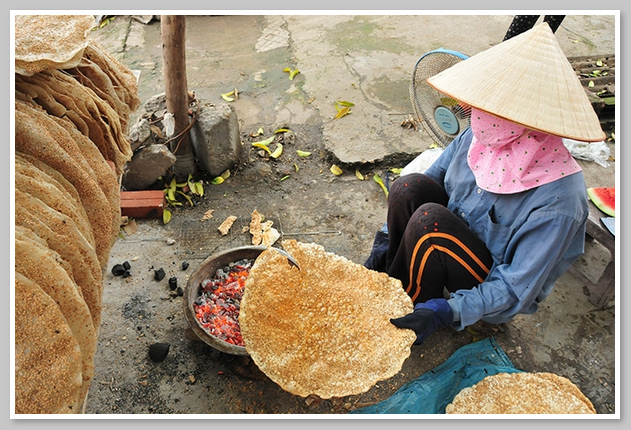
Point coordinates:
pixel 604 198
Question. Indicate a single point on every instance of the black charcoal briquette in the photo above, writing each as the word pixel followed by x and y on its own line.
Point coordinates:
pixel 159 274
pixel 118 270
pixel 158 351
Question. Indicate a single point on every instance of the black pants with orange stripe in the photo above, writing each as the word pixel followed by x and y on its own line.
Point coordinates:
pixel 430 248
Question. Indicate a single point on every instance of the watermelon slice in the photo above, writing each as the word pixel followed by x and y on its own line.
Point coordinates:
pixel 604 198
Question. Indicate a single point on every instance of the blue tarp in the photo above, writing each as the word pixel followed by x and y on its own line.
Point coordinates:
pixel 431 392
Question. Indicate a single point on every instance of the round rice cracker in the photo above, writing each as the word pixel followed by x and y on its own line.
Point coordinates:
pixel 45 267
pixel 37 135
pixel 48 191
pixel 44 42
pixel 48 359
pixel 521 393
pixel 62 236
pixel 325 329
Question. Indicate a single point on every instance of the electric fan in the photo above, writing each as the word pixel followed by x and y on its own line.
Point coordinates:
pixel 442 117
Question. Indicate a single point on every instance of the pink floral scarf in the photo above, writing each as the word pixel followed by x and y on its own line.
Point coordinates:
pixel 508 158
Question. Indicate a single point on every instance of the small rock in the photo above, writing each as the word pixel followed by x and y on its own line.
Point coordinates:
pixel 158 351
pixel 170 241
pixel 180 291
pixel 185 265
pixel 173 283
pixel 126 265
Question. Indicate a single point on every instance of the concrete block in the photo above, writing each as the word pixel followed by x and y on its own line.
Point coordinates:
pixel 146 166
pixel 215 138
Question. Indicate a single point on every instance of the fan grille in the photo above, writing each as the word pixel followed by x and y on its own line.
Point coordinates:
pixel 428 103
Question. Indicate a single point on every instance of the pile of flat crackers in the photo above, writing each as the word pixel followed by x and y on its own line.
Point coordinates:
pixel 72 107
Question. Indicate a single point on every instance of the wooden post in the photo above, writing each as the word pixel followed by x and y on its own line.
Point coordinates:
pixel 173 28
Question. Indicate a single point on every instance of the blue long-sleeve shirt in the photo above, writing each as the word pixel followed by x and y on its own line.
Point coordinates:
pixel 534 237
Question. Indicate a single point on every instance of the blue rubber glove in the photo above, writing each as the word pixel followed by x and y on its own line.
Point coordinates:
pixel 426 318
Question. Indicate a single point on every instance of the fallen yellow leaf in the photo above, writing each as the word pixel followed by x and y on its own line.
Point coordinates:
pixel 336 170
pixel 262 146
pixel 291 72
pixel 264 142
pixel 378 180
pixel 343 112
pixel 166 216
pixel 277 152
pixel 228 96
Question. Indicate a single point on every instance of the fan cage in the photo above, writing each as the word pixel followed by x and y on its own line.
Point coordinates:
pixel 430 104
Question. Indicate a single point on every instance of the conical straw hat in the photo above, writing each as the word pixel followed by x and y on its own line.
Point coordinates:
pixel 528 80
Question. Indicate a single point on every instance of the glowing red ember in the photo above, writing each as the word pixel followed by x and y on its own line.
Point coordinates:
pixel 217 307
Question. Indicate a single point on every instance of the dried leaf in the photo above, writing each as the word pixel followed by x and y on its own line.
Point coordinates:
pixel 199 189
pixel 291 72
pixel 359 175
pixel 343 112
pixel 191 184
pixel 336 170
pixel 284 177
pixel 225 174
pixel 171 195
pixel 228 96
pixel 378 180
pixel 218 180
pixel 281 130
pixel 277 152
pixel 262 146
pixel 599 63
pixel 166 216
pixel 303 153
pixel 296 167
pixel 591 84
pixel 345 103
pixel 264 142
pixel 190 201
pixel 396 170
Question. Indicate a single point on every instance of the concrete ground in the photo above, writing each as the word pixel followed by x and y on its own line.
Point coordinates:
pixel 364 59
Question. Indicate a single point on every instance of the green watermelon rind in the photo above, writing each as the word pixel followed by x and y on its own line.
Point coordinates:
pixel 604 198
